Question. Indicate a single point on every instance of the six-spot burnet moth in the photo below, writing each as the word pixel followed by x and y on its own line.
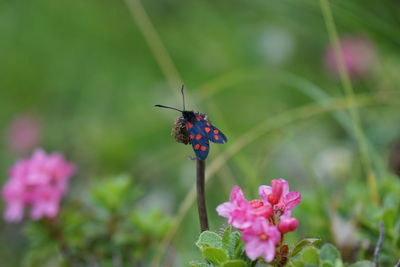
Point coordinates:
pixel 194 127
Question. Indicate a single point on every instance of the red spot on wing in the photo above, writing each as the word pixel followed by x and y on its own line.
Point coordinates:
pixel 198 136
pixel 203 148
pixel 190 125
pixel 191 136
pixel 216 137
pixel 198 118
pixel 216 131
pixel 208 124
pixel 207 129
pixel 197 146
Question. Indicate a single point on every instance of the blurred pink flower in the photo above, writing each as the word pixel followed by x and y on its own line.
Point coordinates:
pixel 261 238
pixel 23 133
pixel 359 56
pixel 40 182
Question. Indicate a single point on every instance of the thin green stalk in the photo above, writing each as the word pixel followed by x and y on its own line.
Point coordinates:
pixel 241 161
pixel 155 44
pixel 379 244
pixel 349 93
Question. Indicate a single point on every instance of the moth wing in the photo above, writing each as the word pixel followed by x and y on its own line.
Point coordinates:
pixel 199 141
pixel 201 148
pixel 214 134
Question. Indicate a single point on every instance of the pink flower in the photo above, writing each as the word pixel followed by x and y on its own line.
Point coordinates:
pixel 279 197
pixel 39 182
pixel 263 222
pixel 23 133
pixel 359 56
pixel 238 210
pixel 288 225
pixel 261 238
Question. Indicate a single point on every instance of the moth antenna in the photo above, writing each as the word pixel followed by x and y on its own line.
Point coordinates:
pixel 183 97
pixel 162 106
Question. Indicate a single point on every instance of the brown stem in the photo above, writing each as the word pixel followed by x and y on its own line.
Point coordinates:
pixel 201 199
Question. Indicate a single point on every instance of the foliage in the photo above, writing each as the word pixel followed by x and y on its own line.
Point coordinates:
pixel 217 251
pixel 107 227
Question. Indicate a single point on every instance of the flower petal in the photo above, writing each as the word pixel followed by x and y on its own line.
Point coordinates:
pixel 255 249
pixel 292 199
pixel 269 251
pixel 264 191
pixel 225 209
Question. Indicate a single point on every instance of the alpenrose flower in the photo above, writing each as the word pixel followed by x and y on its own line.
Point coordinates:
pixel 261 238
pixel 279 198
pixel 238 210
pixel 39 182
pixel 264 221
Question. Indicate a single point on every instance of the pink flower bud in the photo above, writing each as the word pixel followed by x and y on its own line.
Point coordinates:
pixel 278 187
pixel 288 225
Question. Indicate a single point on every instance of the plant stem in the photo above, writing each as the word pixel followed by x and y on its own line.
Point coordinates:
pixel 155 44
pixel 201 198
pixel 379 244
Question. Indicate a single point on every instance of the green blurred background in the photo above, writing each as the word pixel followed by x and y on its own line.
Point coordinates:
pixel 89 71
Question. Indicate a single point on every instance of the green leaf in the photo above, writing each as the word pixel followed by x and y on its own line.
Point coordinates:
pixel 302 244
pixel 230 240
pixel 362 264
pixel 153 223
pixel 310 255
pixel 296 264
pixel 209 239
pixel 240 252
pixel 226 239
pixel 389 219
pixel 329 253
pixel 326 264
pixel 234 263
pixel 110 192
pixel 214 255
pixel 199 264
